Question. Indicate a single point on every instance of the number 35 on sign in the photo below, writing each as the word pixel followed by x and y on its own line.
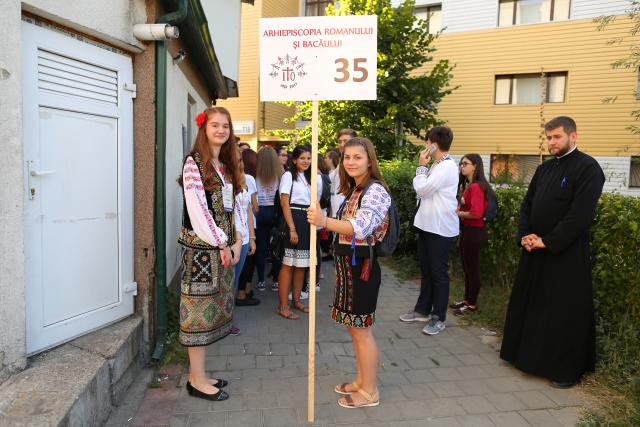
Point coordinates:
pixel 318 58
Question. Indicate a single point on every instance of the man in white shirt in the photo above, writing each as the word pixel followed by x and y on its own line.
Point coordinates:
pixel 344 135
pixel 436 185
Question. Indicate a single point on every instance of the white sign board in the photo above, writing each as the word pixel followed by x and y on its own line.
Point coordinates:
pixel 318 58
pixel 243 127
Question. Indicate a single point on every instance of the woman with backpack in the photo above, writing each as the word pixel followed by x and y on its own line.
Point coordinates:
pixel 474 192
pixel 361 222
pixel 295 198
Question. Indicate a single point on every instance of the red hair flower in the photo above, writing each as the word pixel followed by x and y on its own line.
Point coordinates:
pixel 201 118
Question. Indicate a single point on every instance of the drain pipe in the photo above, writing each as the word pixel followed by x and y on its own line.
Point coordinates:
pixel 160 217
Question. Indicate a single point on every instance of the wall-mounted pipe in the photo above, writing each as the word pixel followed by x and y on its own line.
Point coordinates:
pixel 151 32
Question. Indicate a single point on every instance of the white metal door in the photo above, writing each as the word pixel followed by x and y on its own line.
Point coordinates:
pixel 78 186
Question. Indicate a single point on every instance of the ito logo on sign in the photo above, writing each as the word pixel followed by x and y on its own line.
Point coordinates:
pixel 288 70
pixel 318 58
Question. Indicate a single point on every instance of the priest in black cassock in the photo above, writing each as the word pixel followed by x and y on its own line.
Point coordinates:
pixel 550 327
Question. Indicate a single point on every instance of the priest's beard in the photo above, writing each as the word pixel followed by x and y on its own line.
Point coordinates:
pixel 562 151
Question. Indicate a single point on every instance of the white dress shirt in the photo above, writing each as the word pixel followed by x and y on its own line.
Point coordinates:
pixel 436 189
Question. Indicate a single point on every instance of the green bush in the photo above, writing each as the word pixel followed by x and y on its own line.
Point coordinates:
pixel 399 177
pixel 615 248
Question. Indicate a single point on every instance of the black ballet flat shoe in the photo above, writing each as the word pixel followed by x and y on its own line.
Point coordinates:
pixel 219 384
pixel 216 397
pixel 563 384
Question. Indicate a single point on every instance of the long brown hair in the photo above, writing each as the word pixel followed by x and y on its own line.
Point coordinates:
pixel 228 156
pixel 250 160
pixel 347 183
pixel 478 176
pixel 269 169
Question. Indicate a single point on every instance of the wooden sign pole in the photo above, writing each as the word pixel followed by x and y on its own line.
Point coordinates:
pixel 312 263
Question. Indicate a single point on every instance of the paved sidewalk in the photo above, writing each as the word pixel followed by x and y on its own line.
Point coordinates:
pixel 452 379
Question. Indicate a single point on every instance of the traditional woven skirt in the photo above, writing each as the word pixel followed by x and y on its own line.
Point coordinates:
pixel 355 299
pixel 298 255
pixel 206 300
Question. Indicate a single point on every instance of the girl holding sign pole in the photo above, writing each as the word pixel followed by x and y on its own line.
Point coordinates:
pixel 362 219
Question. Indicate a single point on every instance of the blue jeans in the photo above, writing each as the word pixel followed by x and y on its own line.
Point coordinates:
pixel 433 255
pixel 238 268
pixel 264 221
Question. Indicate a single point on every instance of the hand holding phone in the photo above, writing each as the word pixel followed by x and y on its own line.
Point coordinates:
pixel 425 155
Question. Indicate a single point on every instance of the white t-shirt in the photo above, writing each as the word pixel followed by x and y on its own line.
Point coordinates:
pixel 266 193
pixel 243 201
pixel 252 189
pixel 301 189
pixel 336 199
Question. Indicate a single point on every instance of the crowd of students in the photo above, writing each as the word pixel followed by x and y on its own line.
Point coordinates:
pixel 235 198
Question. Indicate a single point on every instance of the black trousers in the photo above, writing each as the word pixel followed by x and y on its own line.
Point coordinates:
pixel 471 239
pixel 433 255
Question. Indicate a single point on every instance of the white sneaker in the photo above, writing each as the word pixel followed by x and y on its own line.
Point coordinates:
pixel 414 316
pixel 317 288
pixel 303 295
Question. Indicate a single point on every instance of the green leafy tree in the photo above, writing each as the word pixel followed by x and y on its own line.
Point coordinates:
pixel 407 99
pixel 632 60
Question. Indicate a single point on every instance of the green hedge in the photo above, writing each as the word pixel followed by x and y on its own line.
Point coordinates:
pixel 615 246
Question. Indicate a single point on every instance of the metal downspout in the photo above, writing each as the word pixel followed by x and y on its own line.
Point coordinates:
pixel 160 217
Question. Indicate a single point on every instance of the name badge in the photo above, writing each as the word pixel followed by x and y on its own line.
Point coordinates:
pixel 227 197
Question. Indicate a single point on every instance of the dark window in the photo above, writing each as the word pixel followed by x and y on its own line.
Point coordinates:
pixel 530 88
pixel 517 12
pixel 634 172
pixel 316 7
pixel 432 14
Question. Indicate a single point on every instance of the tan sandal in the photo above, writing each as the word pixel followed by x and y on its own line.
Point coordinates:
pixel 290 315
pixel 342 388
pixel 300 306
pixel 370 400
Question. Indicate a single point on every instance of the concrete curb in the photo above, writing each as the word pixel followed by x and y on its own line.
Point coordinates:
pixel 77 383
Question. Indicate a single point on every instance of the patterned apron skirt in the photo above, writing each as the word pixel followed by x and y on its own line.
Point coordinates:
pixel 206 299
pixel 355 299
pixel 298 255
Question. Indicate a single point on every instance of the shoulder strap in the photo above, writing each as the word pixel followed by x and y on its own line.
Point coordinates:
pixel 364 190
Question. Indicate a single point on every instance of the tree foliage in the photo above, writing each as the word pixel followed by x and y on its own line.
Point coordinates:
pixel 406 96
pixel 632 60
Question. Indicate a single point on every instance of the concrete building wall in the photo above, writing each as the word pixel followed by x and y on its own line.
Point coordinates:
pixel 484 127
pixel 616 172
pixel 581 9
pixel 144 145
pixel 469 15
pixel 12 300
pixel 224 26
pixel 109 21
pixel 246 105
pixel 181 89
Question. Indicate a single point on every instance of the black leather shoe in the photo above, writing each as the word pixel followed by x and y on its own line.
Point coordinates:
pixel 563 384
pixel 216 397
pixel 219 384
pixel 247 301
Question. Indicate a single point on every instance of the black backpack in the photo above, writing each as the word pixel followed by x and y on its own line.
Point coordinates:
pixel 388 244
pixel 492 208
pixel 325 197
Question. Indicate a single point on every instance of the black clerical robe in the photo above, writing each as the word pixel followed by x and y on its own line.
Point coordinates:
pixel 550 327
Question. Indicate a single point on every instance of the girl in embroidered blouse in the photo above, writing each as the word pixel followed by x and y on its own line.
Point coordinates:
pixel 357 269
pixel 211 179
